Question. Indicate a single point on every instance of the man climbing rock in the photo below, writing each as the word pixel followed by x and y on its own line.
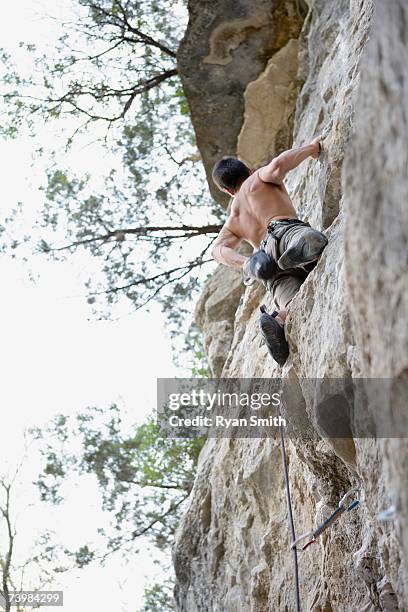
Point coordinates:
pixel 262 213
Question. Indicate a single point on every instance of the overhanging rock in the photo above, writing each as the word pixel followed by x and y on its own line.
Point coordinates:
pixel 226 46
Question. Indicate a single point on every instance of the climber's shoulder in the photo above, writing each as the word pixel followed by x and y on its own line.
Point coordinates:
pixel 253 182
pixel 258 185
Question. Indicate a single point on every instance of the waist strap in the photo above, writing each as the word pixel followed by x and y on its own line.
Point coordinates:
pixel 270 244
pixel 272 225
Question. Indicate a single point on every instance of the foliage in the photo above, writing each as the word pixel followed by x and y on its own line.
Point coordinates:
pixel 109 53
pixel 113 76
pixel 143 479
pixel 159 596
pixel 194 347
pixel 38 568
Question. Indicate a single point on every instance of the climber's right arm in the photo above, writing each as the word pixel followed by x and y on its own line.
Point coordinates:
pixel 224 249
pixel 276 171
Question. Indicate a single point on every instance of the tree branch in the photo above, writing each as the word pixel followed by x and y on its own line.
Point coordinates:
pixel 10 537
pixel 119 235
pixel 126 26
pixel 137 534
pixel 186 486
pixel 130 92
pixel 171 280
pixel 167 274
pixel 146 86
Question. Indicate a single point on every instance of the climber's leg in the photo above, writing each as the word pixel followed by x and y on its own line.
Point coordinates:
pixel 281 315
pixel 284 290
pixel 300 245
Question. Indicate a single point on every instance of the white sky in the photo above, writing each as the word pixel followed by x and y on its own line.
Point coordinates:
pixel 56 359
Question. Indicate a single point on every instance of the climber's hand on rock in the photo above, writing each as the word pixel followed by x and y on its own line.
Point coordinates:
pixel 318 146
pixel 259 266
pixel 246 273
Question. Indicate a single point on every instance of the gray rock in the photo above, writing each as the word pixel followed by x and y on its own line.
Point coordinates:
pixel 215 315
pixel 232 551
pixel 226 46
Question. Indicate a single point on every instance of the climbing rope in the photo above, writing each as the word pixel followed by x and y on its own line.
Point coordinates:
pixel 290 514
pixel 341 508
pixel 311 535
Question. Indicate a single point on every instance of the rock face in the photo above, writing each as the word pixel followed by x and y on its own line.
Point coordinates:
pixel 232 552
pixel 226 46
pixel 269 108
pixel 215 315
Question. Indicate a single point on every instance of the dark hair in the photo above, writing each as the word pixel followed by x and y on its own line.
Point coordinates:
pixel 229 173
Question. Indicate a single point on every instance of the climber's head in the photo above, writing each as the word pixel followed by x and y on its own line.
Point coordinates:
pixel 229 174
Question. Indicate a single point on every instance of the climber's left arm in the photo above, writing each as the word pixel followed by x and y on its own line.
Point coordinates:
pixel 225 249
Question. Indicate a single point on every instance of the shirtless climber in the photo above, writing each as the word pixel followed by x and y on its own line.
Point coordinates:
pixel 262 213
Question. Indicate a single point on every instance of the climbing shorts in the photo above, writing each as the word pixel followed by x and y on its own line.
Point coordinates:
pixel 285 288
pixel 290 242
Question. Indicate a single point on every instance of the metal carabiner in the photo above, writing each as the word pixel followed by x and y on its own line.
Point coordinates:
pixel 345 498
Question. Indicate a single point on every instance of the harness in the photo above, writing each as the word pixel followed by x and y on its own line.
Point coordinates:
pixel 278 228
pixel 273 224
pixel 270 244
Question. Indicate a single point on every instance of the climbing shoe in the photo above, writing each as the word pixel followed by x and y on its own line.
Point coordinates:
pixel 274 336
pixel 305 249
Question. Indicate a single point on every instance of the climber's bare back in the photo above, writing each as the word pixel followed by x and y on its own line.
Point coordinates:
pixel 260 198
pixel 255 205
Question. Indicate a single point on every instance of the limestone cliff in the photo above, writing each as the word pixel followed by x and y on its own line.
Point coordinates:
pixel 226 46
pixel 343 75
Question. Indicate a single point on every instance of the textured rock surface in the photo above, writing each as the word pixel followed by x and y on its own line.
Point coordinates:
pixel 226 46
pixel 349 319
pixel 215 314
pixel 376 192
pixel 269 108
